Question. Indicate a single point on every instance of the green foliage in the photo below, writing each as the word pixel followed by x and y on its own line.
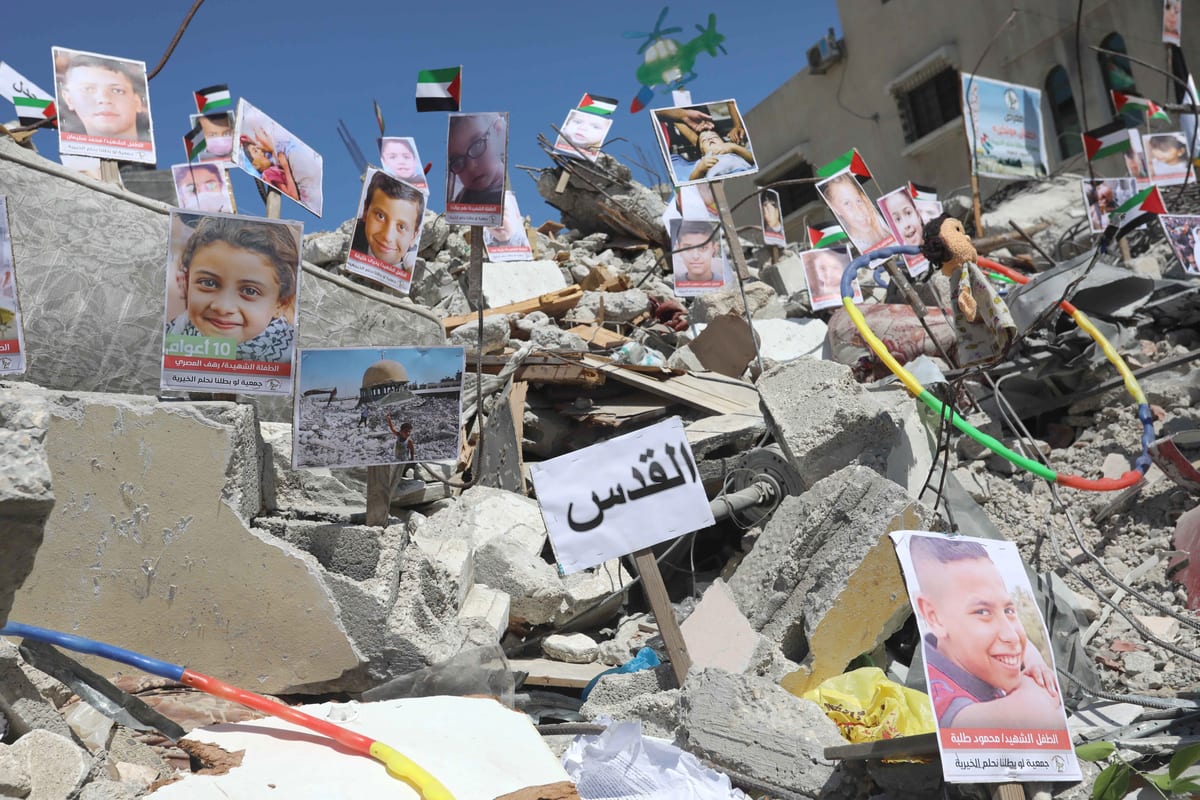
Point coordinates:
pixel 1095 751
pixel 1113 781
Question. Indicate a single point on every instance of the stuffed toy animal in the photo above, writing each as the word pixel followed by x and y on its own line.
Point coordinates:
pixel 982 321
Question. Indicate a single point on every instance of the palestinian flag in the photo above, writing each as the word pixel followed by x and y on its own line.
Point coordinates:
pixel 439 89
pixel 194 143
pixel 918 192
pixel 595 104
pixel 213 98
pixel 32 110
pixel 378 116
pixel 1106 140
pixel 1134 212
pixel 850 160
pixel 830 235
pixel 1140 104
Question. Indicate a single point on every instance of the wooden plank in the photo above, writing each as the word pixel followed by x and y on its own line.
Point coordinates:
pixel 553 303
pixel 718 395
pixel 544 672
pixel 516 407
pixel 923 744
pixel 598 336
pixel 379 494
pixel 664 614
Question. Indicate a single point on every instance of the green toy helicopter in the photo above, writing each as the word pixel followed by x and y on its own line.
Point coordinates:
pixel 669 63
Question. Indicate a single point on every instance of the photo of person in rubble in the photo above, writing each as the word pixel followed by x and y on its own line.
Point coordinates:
pixel 1183 232
pixel 1102 196
pixel 704 142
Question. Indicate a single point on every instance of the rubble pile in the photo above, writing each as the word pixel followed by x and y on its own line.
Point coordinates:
pixel 179 528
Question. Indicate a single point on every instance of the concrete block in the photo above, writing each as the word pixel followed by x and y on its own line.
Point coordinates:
pixel 537 592
pixel 573 648
pixel 788 339
pixel 753 726
pixel 717 634
pixel 632 634
pixel 57 766
pixel 351 550
pixel 514 281
pixel 586 588
pixel 649 696
pixel 482 513
pixel 618 306
pixel 824 420
pixel 495 334
pixel 786 276
pixel 822 580
pixel 21 703
pixel 15 780
pixel 304 490
pixel 487 604
pixel 764 303
pixel 113 790
pixel 26 495
pixel 149 546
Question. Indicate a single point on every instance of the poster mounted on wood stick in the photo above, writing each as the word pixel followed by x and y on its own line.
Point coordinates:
pixel 988 663
pixel 103 106
pixel 271 153
pixel 622 495
pixel 1004 128
pixel 476 160
pixel 388 232
pixel 704 142
pixel 231 303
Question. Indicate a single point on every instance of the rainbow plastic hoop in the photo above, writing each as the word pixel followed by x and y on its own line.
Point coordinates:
pixel 921 393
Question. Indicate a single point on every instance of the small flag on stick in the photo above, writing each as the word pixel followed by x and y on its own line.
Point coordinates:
pixel 31 110
pixel 849 160
pixel 595 104
pixel 1121 101
pixel 830 235
pixel 194 143
pixel 213 98
pixel 439 89
pixel 1134 212
pixel 919 192
pixel 378 116
pixel 1106 140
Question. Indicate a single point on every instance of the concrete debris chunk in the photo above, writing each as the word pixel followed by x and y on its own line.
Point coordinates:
pixel 574 648
pixel 26 493
pixel 514 281
pixel 56 766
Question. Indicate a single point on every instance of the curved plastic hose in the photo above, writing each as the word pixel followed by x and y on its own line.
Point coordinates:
pixel 914 386
pixel 398 766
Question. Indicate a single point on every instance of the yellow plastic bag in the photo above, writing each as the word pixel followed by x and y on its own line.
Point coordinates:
pixel 868 707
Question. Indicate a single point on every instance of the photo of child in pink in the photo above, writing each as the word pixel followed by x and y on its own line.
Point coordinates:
pixel 272 154
pixel 901 214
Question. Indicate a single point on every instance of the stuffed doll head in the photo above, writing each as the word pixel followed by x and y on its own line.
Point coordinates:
pixel 947 244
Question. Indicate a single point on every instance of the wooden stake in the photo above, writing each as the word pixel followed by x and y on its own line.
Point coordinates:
pixel 274 203
pixel 475 296
pixel 379 494
pixel 1008 791
pixel 739 258
pixel 976 205
pixel 110 171
pixel 563 179
pixel 664 615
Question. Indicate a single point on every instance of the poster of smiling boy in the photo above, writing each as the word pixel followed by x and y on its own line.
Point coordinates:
pixel 902 216
pixel 103 106
pixel 582 134
pixel 988 663
pixel 271 153
pixel 388 232
pixel 476 160
pixel 231 302
pixel 12 340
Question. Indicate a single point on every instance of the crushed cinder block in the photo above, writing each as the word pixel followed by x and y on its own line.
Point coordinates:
pixel 824 419
pixel 56 766
pixel 21 703
pixel 573 648
pixel 822 580
pixel 649 696
pixel 514 281
pixel 159 496
pixel 755 727
pixel 26 494
pixel 490 605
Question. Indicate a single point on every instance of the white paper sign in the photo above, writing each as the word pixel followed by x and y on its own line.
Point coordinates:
pixel 13 84
pixel 621 495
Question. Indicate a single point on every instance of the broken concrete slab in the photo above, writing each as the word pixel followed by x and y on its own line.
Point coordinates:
pixel 57 767
pixel 764 303
pixel 489 605
pixel 610 202
pixel 623 306
pixel 783 340
pixel 482 513
pixel 496 331
pixel 786 276
pixel 824 419
pixel 305 491
pixel 514 281
pixel 26 493
pixel 778 738
pixel 717 634
pixel 150 547
pixel 21 702
pixel 649 696
pixel 573 648
pixel 822 580
pixel 535 587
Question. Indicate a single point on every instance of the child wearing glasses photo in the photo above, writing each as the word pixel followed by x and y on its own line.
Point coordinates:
pixel 475 157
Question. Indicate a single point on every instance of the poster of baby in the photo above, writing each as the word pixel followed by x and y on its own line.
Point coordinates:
pixel 271 153
pixel 103 106
pixel 231 303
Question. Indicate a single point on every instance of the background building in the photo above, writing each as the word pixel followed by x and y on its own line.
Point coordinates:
pixel 890 87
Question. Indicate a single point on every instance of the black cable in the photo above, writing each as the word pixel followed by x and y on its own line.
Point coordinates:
pixel 175 40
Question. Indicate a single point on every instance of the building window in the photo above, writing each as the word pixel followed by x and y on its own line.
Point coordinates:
pixel 794 197
pixel 1064 112
pixel 930 104
pixel 1118 77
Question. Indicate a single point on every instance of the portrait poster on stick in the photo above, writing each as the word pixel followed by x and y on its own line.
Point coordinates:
pixel 903 218
pixel 218 136
pixel 266 150
pixel 988 662
pixel 582 134
pixel 103 106
pixel 823 270
pixel 476 160
pixel 698 260
pixel 1183 232
pixel 510 241
pixel 1004 128
pixel 624 494
pixel 1167 158
pixel 772 219
pixel 202 186
pixel 387 234
pixel 1172 21
pixel 12 339
pixel 231 304
pixel 704 142
pixel 369 406
pixel 855 212
pixel 1102 196
pixel 399 157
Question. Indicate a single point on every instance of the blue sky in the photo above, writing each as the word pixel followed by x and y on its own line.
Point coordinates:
pixel 344 368
pixel 307 63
